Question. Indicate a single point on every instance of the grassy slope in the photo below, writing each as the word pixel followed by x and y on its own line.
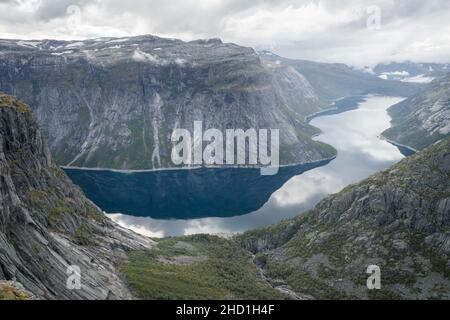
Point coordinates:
pixel 196 267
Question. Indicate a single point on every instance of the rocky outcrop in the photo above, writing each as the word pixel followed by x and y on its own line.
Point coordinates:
pixel 47 224
pixel 422 119
pixel 398 219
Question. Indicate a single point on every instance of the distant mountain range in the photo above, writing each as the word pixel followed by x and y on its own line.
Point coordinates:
pixel 332 81
pixel 410 71
pixel 422 119
pixel 114 102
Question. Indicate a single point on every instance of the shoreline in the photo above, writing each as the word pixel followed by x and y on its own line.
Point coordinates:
pixel 116 216
pixel 307 120
pixel 194 167
pixel 336 109
pixel 398 145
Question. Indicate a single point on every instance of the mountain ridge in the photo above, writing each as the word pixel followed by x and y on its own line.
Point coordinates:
pixel 398 219
pixel 46 223
pixel 113 102
pixel 422 119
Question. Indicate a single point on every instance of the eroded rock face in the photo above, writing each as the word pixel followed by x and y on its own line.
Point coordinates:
pixel 47 224
pixel 398 219
pixel 114 103
pixel 422 119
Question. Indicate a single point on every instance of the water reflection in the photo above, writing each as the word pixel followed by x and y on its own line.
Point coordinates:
pixel 184 194
pixel 355 134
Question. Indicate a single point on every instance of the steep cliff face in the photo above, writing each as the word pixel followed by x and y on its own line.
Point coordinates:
pixel 422 119
pixel 113 103
pixel 398 219
pixel 46 223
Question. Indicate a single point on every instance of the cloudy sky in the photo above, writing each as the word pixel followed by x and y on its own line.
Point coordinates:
pixel 358 32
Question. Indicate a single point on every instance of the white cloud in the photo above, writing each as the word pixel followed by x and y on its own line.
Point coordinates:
pixel 324 30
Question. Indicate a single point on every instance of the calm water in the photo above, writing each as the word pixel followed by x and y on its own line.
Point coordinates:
pixel 182 202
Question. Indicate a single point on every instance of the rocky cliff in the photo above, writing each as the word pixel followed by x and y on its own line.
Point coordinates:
pixel 398 219
pixel 424 118
pixel 47 224
pixel 114 103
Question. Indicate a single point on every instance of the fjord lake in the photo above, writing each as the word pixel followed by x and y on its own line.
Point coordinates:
pixel 231 200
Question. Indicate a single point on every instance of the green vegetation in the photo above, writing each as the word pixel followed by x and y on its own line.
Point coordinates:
pixel 83 236
pixel 37 194
pixel 94 214
pixel 410 134
pixel 136 155
pixel 7 101
pixel 10 293
pixel 302 281
pixel 56 213
pixel 325 252
pixel 62 209
pixel 438 261
pixel 196 267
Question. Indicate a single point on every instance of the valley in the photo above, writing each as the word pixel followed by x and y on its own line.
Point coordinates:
pixel 240 199
pixel 345 196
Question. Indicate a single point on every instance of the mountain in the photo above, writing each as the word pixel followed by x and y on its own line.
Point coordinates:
pixel 47 224
pixel 324 83
pixel 424 118
pixel 114 102
pixel 398 219
pixel 409 71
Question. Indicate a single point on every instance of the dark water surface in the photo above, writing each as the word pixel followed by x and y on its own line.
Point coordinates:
pixel 226 200
pixel 184 194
